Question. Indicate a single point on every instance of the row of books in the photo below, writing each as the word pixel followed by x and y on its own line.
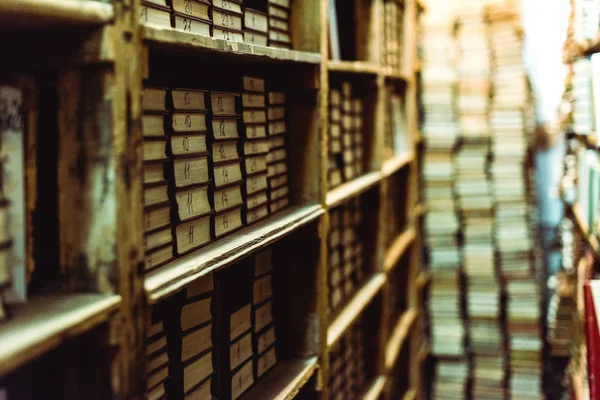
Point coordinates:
pixel 266 22
pixel 15 270
pixel 392 34
pixel 347 360
pixel 188 356
pixel 213 162
pixel 398 141
pixel 346 267
pixel 346 136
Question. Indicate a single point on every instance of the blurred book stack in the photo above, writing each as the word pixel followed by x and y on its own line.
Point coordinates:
pixel 524 326
pixel 445 315
pixel 581 92
pixel 450 380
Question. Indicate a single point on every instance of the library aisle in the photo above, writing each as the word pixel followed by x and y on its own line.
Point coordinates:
pixel 210 199
pixel 294 199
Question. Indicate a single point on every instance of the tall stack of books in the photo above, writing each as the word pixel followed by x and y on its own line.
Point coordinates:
pixel 440 131
pixel 256 26
pixel 347 366
pixel 264 330
pixel 196 339
pixel 334 146
pixel 227 163
pixel 157 363
pixel 256 149
pixel 392 32
pixel 450 380
pixel 348 166
pixel 158 238
pixel 346 253
pixel 227 20
pixel 279 191
pixel 524 325
pixel 192 16
pixel 279 24
pixel 581 92
pixel 189 170
pixel 357 137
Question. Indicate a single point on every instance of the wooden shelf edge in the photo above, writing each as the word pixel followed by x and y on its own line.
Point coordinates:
pixel 394 164
pixel 423 352
pixel 411 394
pixel 375 389
pixel 284 381
pixel 420 210
pixel 397 249
pixel 178 273
pixel 397 75
pixel 352 188
pixel 354 308
pixel 183 40
pixel 50 12
pixel 398 337
pixel 357 67
pixel 45 322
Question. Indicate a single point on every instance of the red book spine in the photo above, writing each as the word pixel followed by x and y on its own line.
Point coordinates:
pixel 592 341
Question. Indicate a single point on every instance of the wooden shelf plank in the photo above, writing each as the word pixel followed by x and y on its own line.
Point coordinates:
pixel 173 39
pixel 175 275
pixel 357 67
pixel 354 308
pixel 397 249
pixel 411 394
pixel 375 390
pixel 393 165
pixel 284 381
pixel 398 337
pixel 389 73
pixel 352 188
pixel 45 322
pixel 39 13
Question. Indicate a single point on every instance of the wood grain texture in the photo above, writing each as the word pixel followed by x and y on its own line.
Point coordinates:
pixel 284 381
pixel 354 308
pixel 50 12
pixel 176 40
pixel 45 322
pixel 176 274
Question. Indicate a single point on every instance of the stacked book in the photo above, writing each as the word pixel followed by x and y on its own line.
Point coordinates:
pixel 524 325
pixel 582 101
pixel 398 140
pixel 334 145
pixel 262 24
pixel 279 191
pixel 196 340
pixel 264 330
pixel 256 149
pixel 392 34
pixel 450 380
pixel 157 357
pixel 227 163
pixel 15 261
pixel 347 365
pixel 189 170
pixel 256 25
pixel 345 147
pixel 445 312
pixel 158 237
pixel 279 24
pixel 346 254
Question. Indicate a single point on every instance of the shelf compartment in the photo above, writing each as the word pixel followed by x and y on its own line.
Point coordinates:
pixel 284 381
pixel 356 67
pixel 45 322
pixel 398 248
pixel 177 274
pixel 375 390
pixel 354 308
pixel 394 164
pixel 352 188
pixel 398 337
pixel 43 13
pixel 173 39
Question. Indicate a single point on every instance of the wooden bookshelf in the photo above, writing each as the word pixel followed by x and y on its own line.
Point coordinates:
pixel 102 292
